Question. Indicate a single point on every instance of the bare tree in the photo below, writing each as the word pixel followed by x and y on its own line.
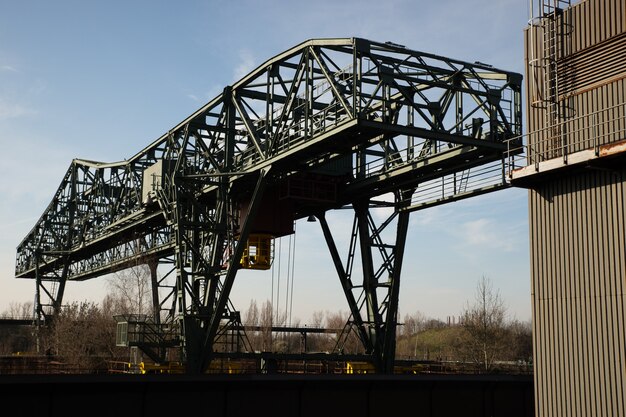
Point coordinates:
pixel 519 341
pixel 83 336
pixel 17 310
pixel 17 338
pixel 251 318
pixel 265 318
pixel 413 324
pixel 131 290
pixel 484 324
pixel 406 334
pixel 318 319
pixel 347 340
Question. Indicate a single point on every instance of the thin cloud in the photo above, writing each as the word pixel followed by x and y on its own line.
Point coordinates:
pixel 13 111
pixel 430 217
pixel 478 232
pixel 486 233
pixel 212 92
pixel 381 214
pixel 8 68
pixel 245 66
pixel 10 226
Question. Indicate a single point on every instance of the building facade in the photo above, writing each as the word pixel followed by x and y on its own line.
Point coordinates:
pixel 576 174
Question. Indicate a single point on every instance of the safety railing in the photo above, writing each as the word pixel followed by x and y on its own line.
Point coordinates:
pixel 584 132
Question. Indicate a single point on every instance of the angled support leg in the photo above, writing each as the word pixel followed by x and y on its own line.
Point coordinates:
pixel 222 299
pixel 374 303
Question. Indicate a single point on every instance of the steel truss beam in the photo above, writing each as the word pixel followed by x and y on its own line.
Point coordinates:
pixel 361 118
pixel 374 301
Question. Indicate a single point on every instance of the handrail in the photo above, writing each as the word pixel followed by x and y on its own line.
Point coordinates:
pixel 584 132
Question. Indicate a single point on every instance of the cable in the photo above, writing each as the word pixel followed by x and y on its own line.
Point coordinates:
pixel 293 266
pixel 272 294
pixel 288 269
pixel 280 249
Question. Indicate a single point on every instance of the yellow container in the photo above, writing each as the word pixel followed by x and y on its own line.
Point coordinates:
pixel 258 252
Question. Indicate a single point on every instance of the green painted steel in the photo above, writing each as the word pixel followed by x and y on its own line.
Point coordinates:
pixel 328 124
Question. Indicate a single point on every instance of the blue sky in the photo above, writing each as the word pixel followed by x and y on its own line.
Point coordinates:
pixel 101 80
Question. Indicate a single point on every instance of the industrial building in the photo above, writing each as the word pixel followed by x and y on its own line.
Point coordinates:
pixel 576 172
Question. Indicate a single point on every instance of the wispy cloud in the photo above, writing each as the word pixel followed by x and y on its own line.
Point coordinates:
pixel 41 163
pixel 13 110
pixel 381 214
pixel 485 233
pixel 10 226
pixel 209 94
pixel 478 232
pixel 8 68
pixel 430 217
pixel 246 64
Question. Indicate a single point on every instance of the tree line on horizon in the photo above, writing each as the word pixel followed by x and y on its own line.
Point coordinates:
pixel 83 335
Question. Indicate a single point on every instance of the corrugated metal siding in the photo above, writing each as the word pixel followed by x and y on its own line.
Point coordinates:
pixel 601 116
pixel 593 67
pixel 578 224
pixel 578 268
pixel 592 78
pixel 594 21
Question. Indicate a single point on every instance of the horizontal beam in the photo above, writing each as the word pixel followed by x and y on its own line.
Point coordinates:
pixel 437 135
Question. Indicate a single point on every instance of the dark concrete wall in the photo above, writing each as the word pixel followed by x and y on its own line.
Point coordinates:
pixel 263 395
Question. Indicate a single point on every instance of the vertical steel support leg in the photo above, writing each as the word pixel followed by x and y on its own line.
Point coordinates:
pixel 346 284
pixel 388 349
pixel 154 285
pixel 375 310
pixel 233 265
pixel 370 284
pixel 54 295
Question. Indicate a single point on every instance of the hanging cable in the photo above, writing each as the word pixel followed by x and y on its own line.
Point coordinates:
pixel 288 279
pixel 293 266
pixel 272 293
pixel 280 241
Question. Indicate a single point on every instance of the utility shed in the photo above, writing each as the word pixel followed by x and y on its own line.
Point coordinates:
pixel 576 175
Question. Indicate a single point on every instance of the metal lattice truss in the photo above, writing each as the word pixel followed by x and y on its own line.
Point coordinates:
pixel 324 125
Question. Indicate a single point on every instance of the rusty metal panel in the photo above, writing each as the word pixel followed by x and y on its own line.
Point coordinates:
pixel 577 232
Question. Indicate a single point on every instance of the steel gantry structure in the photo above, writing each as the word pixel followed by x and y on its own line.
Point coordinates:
pixel 328 124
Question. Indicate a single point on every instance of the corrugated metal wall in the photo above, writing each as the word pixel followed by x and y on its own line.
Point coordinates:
pixel 592 77
pixel 578 267
pixel 595 21
pixel 578 222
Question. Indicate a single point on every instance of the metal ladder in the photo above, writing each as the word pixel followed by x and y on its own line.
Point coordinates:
pixel 547 68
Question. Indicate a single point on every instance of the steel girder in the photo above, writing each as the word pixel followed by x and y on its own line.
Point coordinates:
pixel 373 301
pixel 393 120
